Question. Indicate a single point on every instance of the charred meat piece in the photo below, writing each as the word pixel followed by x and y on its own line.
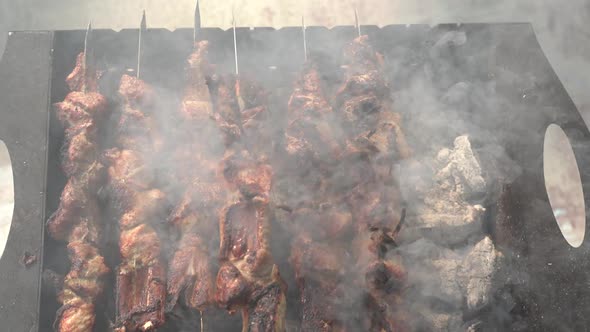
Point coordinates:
pixel 196 104
pixel 140 296
pixel 255 117
pixel 141 275
pixel 191 278
pixel 190 274
pixel 248 280
pixel 82 78
pixel 374 142
pixel 320 270
pixel 78 219
pixel 137 128
pixel 227 114
pixel 318 215
pixel 385 281
pixel 310 134
pixel 78 315
pixel 78 203
pixel 250 177
pixel 365 105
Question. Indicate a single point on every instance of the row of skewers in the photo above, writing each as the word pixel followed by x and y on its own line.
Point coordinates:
pixel 343 216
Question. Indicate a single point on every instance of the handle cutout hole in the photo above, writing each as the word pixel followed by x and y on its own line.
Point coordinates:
pixel 563 185
pixel 6 195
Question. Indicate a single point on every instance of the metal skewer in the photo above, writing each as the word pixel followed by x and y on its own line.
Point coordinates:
pixel 202 324
pixel 196 31
pixel 241 104
pixel 304 38
pixel 142 29
pixel 88 57
pixel 197 22
pixel 356 22
pixel 235 42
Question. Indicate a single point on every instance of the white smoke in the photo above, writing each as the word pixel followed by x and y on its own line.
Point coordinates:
pixel 560 26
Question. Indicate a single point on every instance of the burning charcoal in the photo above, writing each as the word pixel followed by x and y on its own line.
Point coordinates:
pixel 437 321
pixel 453 277
pixel 435 271
pixel 455 267
pixel 477 272
pixel 447 214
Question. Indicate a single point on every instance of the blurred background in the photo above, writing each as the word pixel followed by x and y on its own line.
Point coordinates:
pixel 561 26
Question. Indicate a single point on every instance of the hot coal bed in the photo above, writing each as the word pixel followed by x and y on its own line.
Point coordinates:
pixel 479 242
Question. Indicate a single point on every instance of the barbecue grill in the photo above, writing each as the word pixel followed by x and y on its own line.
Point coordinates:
pixel 549 278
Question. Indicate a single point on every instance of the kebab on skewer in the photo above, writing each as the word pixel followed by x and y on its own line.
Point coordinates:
pixel 310 136
pixel 374 142
pixel 319 220
pixel 141 277
pixel 78 220
pixel 191 275
pixel 248 280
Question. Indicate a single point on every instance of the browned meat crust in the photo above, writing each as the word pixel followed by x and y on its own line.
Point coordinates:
pixel 190 271
pixel 375 141
pixel 141 275
pixel 310 134
pixel 320 220
pixel 78 219
pixel 248 279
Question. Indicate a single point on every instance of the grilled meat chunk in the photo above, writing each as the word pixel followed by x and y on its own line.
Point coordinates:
pixel 141 275
pixel 137 128
pixel 374 142
pixel 365 105
pixel 77 204
pixel 248 280
pixel 318 216
pixel 78 219
pixel 320 269
pixel 257 125
pixel 227 115
pixel 196 104
pixel 77 316
pixel 190 271
pixel 309 134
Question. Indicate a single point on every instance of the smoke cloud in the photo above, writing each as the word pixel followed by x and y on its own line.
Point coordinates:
pixel 451 261
pixel 560 27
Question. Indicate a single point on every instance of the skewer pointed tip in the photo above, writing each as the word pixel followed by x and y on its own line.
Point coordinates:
pixel 87 37
pixel 143 24
pixel 197 21
pixel 356 22
pixel 88 56
pixel 303 27
pixel 142 28
pixel 235 40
